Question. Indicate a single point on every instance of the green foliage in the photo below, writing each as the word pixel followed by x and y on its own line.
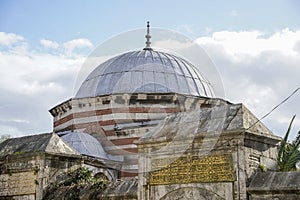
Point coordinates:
pixel 18 153
pixel 81 175
pixel 263 168
pixel 75 183
pixel 288 153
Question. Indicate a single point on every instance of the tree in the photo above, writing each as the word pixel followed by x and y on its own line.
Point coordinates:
pixel 288 153
pixel 4 137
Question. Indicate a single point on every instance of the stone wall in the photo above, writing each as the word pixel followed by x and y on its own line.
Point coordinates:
pixel 212 151
pixel 260 154
pixel 18 184
pixel 124 118
pixel 127 110
pixel 222 187
pixel 25 176
pixel 275 185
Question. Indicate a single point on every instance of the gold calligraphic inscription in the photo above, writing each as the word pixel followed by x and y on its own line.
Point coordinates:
pixel 192 169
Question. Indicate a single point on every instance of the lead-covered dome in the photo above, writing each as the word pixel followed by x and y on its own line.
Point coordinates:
pixel 84 143
pixel 145 71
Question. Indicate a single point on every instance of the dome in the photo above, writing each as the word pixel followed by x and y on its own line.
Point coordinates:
pixel 85 144
pixel 145 71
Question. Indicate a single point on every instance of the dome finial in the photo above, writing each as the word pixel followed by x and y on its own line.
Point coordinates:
pixel 148 36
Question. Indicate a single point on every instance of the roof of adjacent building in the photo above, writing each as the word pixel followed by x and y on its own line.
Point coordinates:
pixel 47 143
pixel 275 182
pixel 215 119
pixel 145 71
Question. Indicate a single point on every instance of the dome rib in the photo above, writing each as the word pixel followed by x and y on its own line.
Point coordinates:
pixel 187 83
pixel 145 72
pixel 85 144
pixel 195 84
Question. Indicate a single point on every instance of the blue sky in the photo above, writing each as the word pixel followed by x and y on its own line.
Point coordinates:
pixel 98 20
pixel 254 44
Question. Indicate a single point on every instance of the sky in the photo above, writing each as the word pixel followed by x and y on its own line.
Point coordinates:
pixel 255 46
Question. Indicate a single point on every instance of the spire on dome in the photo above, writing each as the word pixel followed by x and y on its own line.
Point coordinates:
pixel 148 36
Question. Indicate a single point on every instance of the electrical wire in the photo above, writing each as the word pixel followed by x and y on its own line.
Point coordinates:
pixel 277 106
pixel 267 114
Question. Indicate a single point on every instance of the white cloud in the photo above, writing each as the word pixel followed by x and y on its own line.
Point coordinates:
pixel 233 13
pixel 259 70
pixel 15 120
pixel 71 45
pixel 186 28
pixel 9 38
pixel 49 44
pixel 9 130
pixel 173 44
pixel 253 43
pixel 32 81
pixel 33 73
